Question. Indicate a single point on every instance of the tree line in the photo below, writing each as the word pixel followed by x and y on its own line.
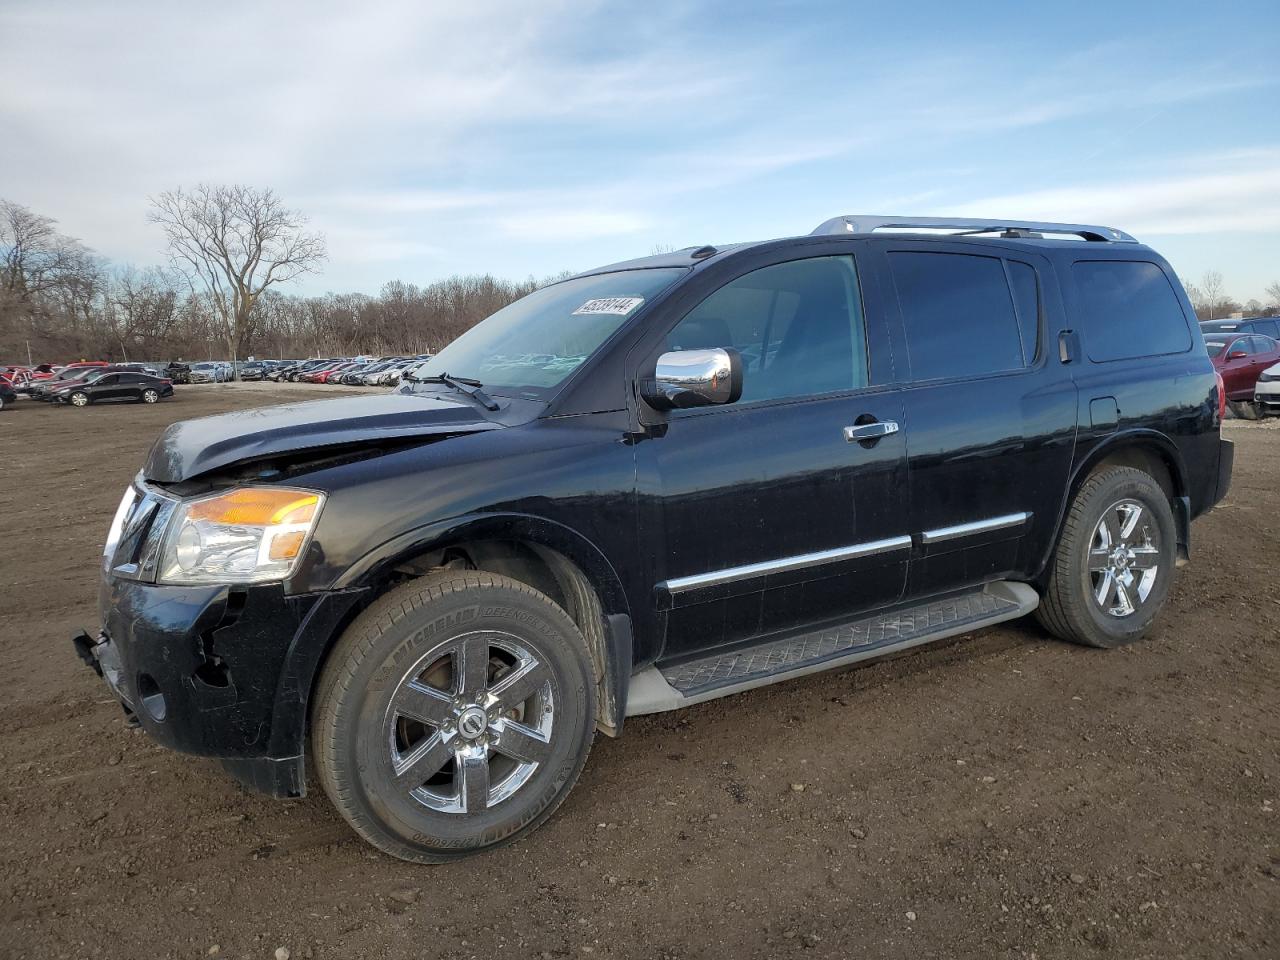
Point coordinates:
pixel 219 296
pixel 1212 302
pixel 231 249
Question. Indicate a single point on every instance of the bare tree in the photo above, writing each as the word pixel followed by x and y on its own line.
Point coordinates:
pixel 1273 291
pixel 234 242
pixel 1212 287
pixel 141 309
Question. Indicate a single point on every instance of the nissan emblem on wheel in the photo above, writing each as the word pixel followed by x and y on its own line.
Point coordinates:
pixel 654 484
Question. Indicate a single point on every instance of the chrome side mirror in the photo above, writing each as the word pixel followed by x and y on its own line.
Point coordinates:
pixel 694 378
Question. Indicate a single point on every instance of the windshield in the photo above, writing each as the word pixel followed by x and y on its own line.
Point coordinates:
pixel 531 346
pixel 1215 347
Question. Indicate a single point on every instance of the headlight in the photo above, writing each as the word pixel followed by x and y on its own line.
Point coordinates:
pixel 247 535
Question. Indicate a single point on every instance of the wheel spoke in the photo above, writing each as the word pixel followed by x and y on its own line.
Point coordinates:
pixel 1099 559
pixel 522 683
pixel 1124 604
pixel 424 762
pixel 1145 558
pixel 1106 586
pixel 1111 524
pixel 521 743
pixel 1133 513
pixel 471 666
pixel 420 702
pixel 473 782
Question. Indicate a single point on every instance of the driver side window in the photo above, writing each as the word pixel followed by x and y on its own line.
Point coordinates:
pixel 798 326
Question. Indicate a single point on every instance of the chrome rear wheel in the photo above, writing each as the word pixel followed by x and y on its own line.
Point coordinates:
pixel 1124 558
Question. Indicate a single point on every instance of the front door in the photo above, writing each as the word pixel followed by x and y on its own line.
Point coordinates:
pixel 785 508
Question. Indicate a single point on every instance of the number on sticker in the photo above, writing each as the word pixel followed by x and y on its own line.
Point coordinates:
pixel 618 305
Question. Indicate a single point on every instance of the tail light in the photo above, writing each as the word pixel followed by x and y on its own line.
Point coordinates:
pixel 1222 397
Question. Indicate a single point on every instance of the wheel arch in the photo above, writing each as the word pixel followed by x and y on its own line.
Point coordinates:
pixel 549 556
pixel 1147 450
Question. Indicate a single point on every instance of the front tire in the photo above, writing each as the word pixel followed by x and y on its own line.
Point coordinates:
pixel 454 715
pixel 1113 566
pixel 79 399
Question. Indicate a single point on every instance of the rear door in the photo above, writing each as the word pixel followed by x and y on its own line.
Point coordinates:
pixel 106 388
pixel 990 412
pixel 1265 352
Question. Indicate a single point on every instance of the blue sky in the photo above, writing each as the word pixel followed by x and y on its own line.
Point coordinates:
pixel 426 139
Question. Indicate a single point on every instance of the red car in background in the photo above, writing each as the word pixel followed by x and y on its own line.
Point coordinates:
pixel 322 376
pixel 1240 360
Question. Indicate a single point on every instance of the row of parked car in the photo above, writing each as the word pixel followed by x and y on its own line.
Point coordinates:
pixel 1246 354
pixel 350 371
pixel 85 382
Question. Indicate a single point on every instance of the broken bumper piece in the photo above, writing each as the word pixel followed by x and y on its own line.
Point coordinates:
pixel 218 671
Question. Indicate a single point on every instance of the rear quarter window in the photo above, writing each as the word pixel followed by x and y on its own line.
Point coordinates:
pixel 1129 309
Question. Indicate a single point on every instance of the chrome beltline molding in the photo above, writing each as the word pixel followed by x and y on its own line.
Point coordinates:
pixel 977 526
pixel 870 548
pixel 798 562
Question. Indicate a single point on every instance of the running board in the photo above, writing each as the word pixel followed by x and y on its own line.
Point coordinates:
pixel 654 689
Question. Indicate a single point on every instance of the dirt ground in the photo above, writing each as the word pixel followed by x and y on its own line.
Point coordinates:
pixel 1002 796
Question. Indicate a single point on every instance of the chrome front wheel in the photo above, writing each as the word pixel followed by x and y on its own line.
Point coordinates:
pixel 470 722
pixel 454 714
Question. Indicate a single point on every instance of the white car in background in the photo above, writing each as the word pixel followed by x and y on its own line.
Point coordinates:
pixel 1266 392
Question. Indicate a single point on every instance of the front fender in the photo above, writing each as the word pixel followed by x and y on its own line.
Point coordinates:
pixel 492 526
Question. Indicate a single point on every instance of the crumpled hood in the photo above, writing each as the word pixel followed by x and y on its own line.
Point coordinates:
pixel 193 447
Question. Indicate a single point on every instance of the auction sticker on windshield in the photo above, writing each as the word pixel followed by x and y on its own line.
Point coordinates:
pixel 617 305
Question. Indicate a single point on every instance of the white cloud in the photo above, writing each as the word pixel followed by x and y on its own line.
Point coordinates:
pixel 1242 195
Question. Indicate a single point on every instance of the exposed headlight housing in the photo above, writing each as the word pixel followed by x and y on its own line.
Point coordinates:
pixel 245 535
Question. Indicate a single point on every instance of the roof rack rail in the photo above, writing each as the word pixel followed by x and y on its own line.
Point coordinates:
pixel 868 223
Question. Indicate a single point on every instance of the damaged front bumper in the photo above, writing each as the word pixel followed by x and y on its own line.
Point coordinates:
pixel 218 671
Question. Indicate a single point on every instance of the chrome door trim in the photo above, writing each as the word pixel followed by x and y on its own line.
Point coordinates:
pixel 799 562
pixel 977 526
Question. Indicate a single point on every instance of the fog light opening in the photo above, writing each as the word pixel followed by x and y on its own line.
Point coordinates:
pixel 151 698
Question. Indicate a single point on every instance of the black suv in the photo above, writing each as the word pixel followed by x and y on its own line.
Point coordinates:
pixel 653 484
pixel 1267 326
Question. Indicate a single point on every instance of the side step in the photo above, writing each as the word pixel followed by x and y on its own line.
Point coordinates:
pixel 654 690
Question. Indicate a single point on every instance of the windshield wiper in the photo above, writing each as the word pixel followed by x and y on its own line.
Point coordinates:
pixel 463 385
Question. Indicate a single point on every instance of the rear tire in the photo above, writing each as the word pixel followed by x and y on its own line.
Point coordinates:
pixel 453 715
pixel 1113 567
pixel 1245 409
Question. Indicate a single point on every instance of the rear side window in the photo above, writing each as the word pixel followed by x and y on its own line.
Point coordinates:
pixel 1026 297
pixel 1263 344
pixel 959 315
pixel 1129 310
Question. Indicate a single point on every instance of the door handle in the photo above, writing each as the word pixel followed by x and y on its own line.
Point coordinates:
pixel 870 431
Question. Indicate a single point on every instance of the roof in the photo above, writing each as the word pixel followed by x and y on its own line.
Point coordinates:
pixel 1033 232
